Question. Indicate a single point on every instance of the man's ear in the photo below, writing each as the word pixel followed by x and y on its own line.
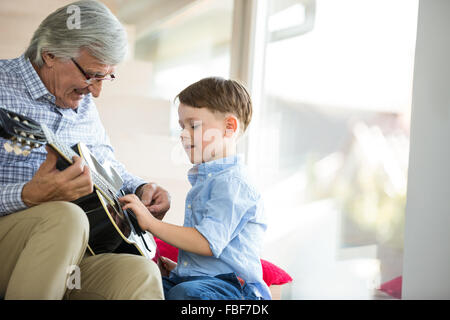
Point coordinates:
pixel 231 125
pixel 49 59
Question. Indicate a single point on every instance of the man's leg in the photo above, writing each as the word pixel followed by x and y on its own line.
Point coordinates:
pixel 38 246
pixel 118 277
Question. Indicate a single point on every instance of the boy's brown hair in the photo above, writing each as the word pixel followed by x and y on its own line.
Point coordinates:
pixel 218 94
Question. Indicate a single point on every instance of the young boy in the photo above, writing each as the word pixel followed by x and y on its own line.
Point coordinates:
pixel 224 224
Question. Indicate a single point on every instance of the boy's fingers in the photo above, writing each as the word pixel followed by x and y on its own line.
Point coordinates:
pixel 163 259
pixel 127 198
pixel 128 205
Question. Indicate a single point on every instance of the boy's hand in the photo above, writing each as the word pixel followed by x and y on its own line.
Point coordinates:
pixel 144 217
pixel 166 265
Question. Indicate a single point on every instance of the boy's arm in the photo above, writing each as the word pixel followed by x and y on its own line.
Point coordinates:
pixel 184 238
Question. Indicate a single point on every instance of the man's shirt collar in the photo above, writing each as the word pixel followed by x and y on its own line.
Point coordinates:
pixel 32 81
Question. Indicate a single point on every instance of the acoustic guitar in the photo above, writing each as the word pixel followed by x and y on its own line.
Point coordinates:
pixel 112 229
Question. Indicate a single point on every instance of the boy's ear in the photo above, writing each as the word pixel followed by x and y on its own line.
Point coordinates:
pixel 231 125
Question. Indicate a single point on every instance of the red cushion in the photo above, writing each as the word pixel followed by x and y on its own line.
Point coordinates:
pixel 393 287
pixel 166 250
pixel 272 274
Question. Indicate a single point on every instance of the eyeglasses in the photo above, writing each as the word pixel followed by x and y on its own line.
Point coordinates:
pixel 89 78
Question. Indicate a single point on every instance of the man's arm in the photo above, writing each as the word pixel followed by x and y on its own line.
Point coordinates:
pixel 11 199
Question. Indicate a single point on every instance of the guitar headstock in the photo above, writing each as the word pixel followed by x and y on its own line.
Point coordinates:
pixel 24 133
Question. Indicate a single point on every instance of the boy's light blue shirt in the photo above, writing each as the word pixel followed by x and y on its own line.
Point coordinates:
pixel 227 210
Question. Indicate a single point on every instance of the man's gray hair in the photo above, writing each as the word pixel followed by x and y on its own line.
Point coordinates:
pixel 98 31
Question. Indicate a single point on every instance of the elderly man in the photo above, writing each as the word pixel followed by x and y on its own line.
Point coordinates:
pixel 43 234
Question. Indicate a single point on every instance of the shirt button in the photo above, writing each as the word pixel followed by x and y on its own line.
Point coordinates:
pixel 185 263
pixel 189 206
pixel 209 175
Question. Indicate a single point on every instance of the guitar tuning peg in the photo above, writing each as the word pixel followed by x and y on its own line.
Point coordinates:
pixel 16 118
pixel 23 134
pixel 26 152
pixel 17 149
pixel 8 147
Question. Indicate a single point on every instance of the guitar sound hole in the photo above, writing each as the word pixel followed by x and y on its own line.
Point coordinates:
pixel 120 220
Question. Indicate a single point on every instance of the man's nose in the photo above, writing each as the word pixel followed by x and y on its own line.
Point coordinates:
pixel 95 88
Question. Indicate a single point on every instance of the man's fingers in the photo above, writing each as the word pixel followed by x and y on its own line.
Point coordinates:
pixel 81 185
pixel 51 159
pixel 160 203
pixel 75 169
pixel 155 208
pixel 85 180
pixel 148 193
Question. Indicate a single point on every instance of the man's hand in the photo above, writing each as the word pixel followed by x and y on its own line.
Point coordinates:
pixel 51 184
pixel 155 198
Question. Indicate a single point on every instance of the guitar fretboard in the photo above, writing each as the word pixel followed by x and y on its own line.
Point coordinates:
pixel 109 191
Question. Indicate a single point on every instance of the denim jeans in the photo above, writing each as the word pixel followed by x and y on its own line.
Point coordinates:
pixel 221 287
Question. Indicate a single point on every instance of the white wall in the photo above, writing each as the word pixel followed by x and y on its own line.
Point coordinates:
pixel 426 271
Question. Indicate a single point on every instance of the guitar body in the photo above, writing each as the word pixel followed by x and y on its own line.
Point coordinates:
pixel 103 235
pixel 111 228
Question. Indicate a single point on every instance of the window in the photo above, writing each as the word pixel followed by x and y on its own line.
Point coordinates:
pixel 185 40
pixel 333 140
pixel 190 42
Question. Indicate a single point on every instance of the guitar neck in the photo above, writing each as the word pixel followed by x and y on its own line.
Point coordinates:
pixel 109 191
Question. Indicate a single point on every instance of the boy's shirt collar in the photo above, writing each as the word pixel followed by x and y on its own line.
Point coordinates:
pixel 207 169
